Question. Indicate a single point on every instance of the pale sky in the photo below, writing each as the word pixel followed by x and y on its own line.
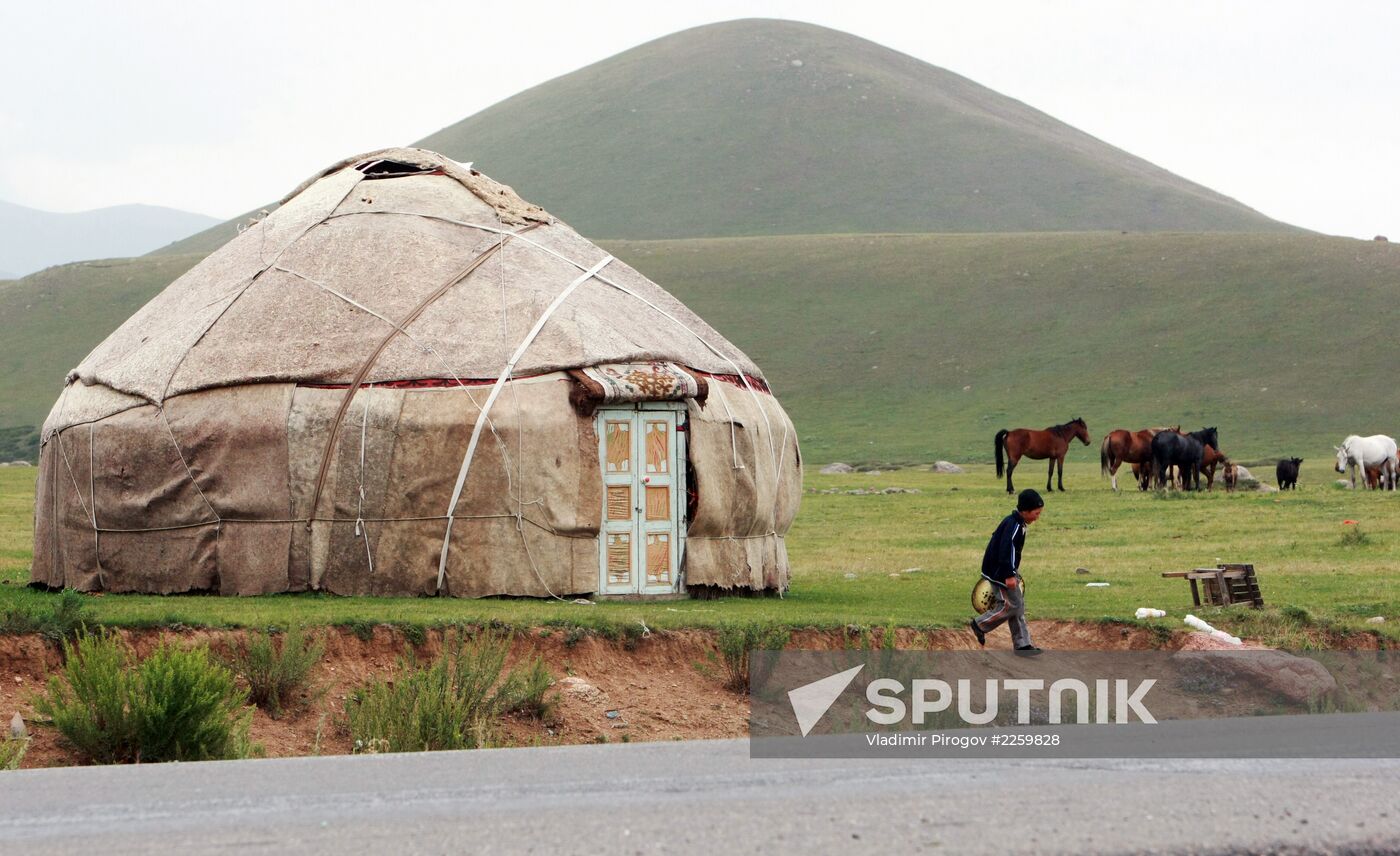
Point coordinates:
pixel 1289 107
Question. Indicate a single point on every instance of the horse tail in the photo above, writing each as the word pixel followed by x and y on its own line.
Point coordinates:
pixel 1103 455
pixel 1000 443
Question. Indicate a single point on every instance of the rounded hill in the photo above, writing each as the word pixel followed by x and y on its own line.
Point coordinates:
pixel 760 127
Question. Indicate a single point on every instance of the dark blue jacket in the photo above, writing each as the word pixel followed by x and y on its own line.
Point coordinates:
pixel 1003 556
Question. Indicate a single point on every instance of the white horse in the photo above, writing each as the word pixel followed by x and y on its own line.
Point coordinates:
pixel 1376 451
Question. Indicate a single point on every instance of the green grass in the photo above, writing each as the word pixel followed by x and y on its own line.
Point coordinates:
pixel 1126 540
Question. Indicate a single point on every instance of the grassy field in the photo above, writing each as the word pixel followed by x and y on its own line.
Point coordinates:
pixel 853 554
pixel 916 347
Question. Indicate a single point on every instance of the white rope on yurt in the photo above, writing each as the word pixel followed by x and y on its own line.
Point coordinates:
pixel 92 492
pixel 515 487
pixel 188 472
pixel 360 528
pixel 350 300
pixel 733 431
pixel 491 400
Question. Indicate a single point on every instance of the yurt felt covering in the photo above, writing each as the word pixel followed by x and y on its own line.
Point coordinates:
pixel 187 450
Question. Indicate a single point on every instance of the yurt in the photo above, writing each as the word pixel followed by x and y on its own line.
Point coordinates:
pixel 406 380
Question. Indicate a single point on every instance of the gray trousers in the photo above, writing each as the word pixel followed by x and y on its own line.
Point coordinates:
pixel 1008 606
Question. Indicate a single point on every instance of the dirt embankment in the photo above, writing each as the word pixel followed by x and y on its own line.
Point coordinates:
pixel 667 685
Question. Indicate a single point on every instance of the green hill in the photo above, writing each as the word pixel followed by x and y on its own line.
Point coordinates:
pixel 51 319
pixel 762 127
pixel 915 347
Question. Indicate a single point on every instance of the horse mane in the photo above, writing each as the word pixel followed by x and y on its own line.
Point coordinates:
pixel 1063 426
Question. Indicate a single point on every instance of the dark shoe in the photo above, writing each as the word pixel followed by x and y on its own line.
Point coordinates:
pixel 1028 651
pixel 977 631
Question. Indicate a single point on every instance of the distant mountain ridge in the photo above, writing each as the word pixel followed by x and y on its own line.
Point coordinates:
pixel 31 239
pixel 764 127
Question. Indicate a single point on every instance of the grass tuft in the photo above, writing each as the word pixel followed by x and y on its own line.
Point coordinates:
pixel 736 642
pixel 12 751
pixel 1354 537
pixel 58 621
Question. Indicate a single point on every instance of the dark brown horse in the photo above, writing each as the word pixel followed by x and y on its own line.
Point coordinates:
pixel 1210 460
pixel 1122 446
pixel 1051 443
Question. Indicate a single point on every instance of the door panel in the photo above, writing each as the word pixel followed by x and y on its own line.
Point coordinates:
pixel 642 458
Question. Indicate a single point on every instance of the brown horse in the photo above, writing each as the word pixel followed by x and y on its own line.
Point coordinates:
pixel 1122 446
pixel 1209 461
pixel 1051 443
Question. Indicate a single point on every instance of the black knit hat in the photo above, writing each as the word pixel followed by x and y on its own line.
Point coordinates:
pixel 1029 500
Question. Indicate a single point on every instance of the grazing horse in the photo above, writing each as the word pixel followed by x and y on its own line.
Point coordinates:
pixel 1377 451
pixel 1122 446
pixel 1187 451
pixel 1051 443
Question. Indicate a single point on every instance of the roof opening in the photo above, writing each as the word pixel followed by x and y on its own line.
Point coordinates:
pixel 381 168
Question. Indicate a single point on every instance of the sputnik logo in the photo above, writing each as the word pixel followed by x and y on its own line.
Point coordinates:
pixel 810 702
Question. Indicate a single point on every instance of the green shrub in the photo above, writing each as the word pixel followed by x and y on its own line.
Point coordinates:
pixel 737 641
pixel 60 619
pixel 529 691
pixel 12 751
pixel 415 634
pixel 1354 537
pixel 176 705
pixel 363 629
pixel 275 671
pixel 452 703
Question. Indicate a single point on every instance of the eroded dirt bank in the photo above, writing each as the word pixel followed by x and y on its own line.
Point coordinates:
pixel 665 685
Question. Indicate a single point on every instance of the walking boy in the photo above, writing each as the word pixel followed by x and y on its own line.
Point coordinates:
pixel 1000 565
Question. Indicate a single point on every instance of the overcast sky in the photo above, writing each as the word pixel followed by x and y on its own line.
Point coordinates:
pixel 1291 108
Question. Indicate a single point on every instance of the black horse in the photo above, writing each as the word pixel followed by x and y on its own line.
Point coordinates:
pixel 1184 451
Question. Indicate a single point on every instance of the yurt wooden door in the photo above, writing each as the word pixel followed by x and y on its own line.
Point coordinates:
pixel 642 454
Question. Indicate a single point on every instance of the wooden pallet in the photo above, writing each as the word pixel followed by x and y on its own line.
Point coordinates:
pixel 1223 585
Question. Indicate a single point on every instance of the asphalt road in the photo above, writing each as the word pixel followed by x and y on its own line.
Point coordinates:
pixel 702 797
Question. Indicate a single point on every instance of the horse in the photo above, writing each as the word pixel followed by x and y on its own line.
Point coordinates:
pixel 1210 459
pixel 1172 448
pixel 1051 443
pixel 1378 450
pixel 1122 446
pixel 1232 476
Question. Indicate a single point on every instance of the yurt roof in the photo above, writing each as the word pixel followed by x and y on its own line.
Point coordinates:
pixel 395 248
